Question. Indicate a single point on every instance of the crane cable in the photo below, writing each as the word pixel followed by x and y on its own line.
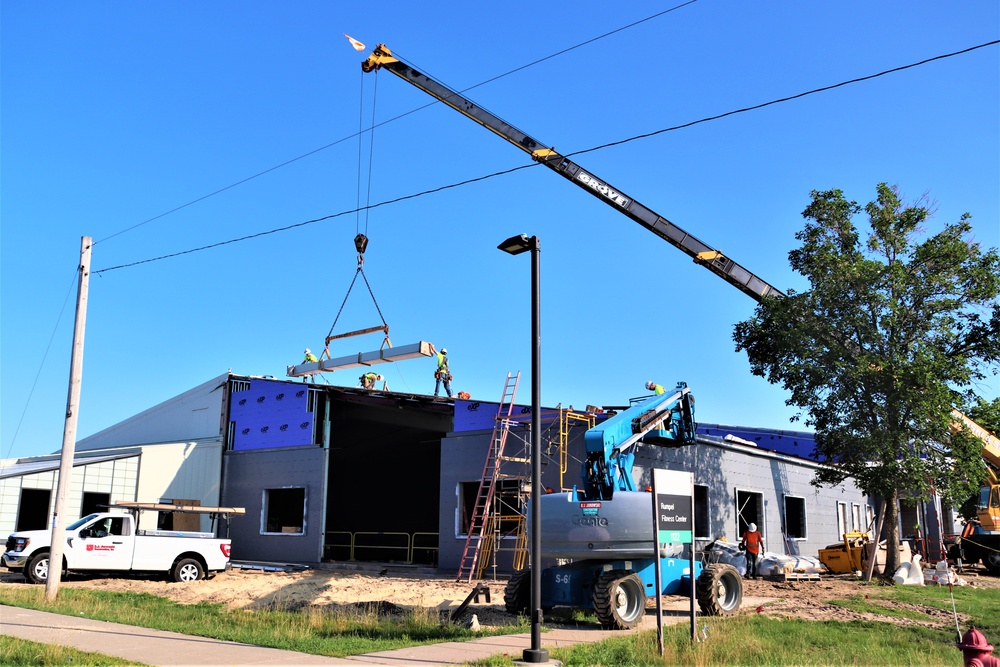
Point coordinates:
pixel 361 238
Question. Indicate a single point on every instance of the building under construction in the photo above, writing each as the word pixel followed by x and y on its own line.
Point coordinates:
pixel 329 473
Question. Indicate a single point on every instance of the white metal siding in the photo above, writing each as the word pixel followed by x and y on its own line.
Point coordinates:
pixel 180 470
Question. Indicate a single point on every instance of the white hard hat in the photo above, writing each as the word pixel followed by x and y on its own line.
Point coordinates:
pixel 650 385
pixel 752 527
pixel 308 350
pixel 444 350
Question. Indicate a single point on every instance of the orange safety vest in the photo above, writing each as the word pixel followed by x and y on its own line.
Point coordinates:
pixel 753 541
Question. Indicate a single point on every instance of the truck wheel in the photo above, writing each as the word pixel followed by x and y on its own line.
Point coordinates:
pixel 37 570
pixel 992 562
pixel 719 590
pixel 619 600
pixel 517 593
pixel 188 569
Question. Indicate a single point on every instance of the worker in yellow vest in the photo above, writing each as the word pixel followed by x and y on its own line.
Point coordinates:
pixel 443 374
pixel 310 357
pixel 368 380
pixel 655 388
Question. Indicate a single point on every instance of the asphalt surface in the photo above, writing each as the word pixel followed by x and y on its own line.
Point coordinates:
pixel 155 647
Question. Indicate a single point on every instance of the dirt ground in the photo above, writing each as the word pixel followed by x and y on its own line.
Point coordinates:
pixel 397 590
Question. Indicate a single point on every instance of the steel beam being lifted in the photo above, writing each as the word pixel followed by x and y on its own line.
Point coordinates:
pixel 381 356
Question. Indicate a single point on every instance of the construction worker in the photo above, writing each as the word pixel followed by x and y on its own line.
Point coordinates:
pixel 368 380
pixel 655 388
pixel 753 544
pixel 442 375
pixel 310 357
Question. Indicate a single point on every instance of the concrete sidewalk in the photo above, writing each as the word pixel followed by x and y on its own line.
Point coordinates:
pixel 155 647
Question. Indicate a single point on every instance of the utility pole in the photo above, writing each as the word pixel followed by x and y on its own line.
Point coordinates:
pixel 69 429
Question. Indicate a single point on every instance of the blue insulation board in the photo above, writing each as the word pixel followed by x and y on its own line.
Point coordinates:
pixel 270 414
pixel 794 443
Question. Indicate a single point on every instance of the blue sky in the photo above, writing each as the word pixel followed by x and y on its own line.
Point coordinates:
pixel 116 113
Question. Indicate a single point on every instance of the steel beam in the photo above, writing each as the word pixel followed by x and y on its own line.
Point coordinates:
pixel 362 359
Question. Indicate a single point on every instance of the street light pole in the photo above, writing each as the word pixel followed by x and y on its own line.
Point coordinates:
pixel 515 246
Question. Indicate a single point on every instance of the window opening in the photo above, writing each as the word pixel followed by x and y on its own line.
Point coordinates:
pixel 841 519
pixel 749 509
pixel 795 517
pixel 702 525
pixel 284 511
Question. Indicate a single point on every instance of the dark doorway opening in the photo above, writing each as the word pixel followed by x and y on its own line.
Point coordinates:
pixel 383 487
pixel 33 512
pixel 94 502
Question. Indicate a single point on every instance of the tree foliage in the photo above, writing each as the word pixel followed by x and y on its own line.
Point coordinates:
pixel 986 413
pixel 892 333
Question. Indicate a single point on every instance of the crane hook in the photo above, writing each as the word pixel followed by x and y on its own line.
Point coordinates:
pixel 361 244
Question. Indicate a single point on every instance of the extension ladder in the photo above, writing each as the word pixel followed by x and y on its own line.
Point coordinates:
pixel 488 482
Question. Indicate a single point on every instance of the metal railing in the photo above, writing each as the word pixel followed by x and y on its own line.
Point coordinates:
pixel 380 546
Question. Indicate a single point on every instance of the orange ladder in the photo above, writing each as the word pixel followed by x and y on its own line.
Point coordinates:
pixel 488 482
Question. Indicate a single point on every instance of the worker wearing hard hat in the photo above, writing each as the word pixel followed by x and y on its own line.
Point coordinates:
pixel 310 357
pixel 655 388
pixel 368 380
pixel 443 374
pixel 753 544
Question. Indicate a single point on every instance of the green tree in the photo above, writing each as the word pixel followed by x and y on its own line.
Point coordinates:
pixel 986 414
pixel 890 335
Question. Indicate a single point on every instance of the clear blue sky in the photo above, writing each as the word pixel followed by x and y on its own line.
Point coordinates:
pixel 114 113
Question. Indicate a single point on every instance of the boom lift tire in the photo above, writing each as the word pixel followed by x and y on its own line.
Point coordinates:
pixel 619 600
pixel 37 569
pixel 991 560
pixel 517 593
pixel 719 590
pixel 188 569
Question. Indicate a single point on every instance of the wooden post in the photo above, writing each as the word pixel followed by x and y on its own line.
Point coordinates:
pixel 875 543
pixel 69 429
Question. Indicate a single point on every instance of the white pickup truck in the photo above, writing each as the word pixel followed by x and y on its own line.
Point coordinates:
pixel 110 542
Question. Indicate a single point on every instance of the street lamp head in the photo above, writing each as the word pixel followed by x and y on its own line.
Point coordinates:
pixel 515 245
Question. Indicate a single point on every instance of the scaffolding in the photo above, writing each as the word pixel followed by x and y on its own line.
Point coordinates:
pixel 499 514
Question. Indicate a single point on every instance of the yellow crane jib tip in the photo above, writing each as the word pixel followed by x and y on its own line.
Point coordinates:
pixel 379 57
pixel 707 256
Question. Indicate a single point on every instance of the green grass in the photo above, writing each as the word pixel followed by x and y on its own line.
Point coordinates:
pixel 14 651
pixel 332 633
pixel 747 639
pixel 759 640
pixel 751 639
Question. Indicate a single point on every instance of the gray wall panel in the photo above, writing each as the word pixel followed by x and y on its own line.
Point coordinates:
pixel 725 469
pixel 247 474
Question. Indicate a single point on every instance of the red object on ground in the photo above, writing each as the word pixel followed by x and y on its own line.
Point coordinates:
pixel 976 650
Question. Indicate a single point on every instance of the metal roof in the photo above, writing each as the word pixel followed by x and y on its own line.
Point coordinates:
pixel 48 463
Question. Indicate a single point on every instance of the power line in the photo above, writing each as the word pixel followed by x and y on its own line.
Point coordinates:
pixel 535 164
pixel 385 122
pixel 315 220
pixel 41 363
pixel 785 99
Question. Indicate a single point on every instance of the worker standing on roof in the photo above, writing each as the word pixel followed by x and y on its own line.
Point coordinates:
pixel 368 380
pixel 655 388
pixel 753 542
pixel 442 375
pixel 310 357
